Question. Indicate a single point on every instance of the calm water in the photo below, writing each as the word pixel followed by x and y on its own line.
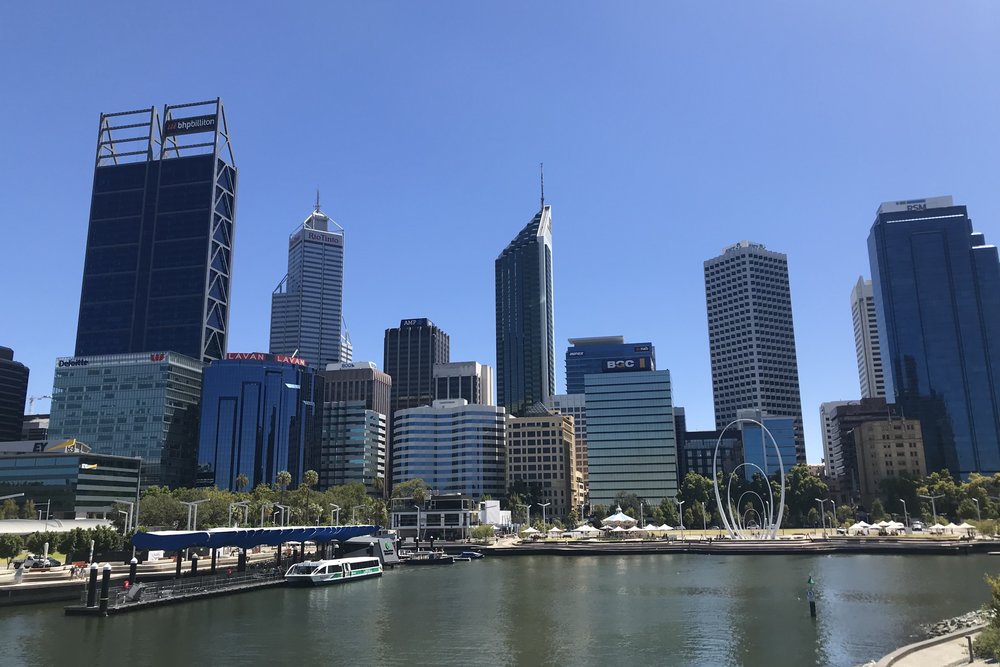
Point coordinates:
pixel 640 610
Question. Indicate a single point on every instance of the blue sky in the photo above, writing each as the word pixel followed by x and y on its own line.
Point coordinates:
pixel 668 131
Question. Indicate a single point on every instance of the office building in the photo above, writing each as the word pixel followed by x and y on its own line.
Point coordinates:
pixel 133 405
pixel 13 393
pixel 470 380
pixel 540 453
pixel 866 343
pixel 258 418
pixel 696 449
pixel 575 405
pixel 453 446
pixel 66 480
pixel 885 449
pixel 526 371
pixel 409 355
pixel 767 449
pixel 840 421
pixel 358 381
pixel 937 300
pixel 307 307
pixel 35 427
pixel 160 243
pixel 590 355
pixel 826 419
pixel 751 336
pixel 438 517
pixel 352 446
pixel 630 436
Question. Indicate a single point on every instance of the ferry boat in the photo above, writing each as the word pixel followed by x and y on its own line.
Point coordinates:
pixel 427 558
pixel 335 571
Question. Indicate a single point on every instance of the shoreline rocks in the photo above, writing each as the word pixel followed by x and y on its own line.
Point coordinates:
pixel 950 625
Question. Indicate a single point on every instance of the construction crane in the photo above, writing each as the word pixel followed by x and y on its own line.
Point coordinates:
pixel 31 403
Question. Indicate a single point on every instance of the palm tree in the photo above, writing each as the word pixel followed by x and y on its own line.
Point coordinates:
pixel 283 479
pixel 242 482
pixel 310 478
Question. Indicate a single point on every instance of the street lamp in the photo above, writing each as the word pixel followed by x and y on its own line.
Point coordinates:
pixel 126 520
pixel 263 508
pixel 192 524
pixel 833 516
pixel 354 513
pixel 642 516
pixel 543 506
pixel 979 517
pixel 822 513
pixel 284 513
pixel 417 538
pixel 704 519
pixel 13 495
pixel 906 517
pixel 131 506
pixel 241 503
pixel 680 513
pixel 933 506
pixel 334 508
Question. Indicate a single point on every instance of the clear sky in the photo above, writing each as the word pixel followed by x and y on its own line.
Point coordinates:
pixel 668 131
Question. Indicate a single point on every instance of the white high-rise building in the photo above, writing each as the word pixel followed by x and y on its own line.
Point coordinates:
pixel 307 306
pixel 866 340
pixel 751 336
pixel 831 435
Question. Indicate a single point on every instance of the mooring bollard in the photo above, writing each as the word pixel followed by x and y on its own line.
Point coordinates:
pixel 105 585
pixel 180 560
pixel 241 563
pixel 811 596
pixel 92 586
pixel 214 557
pixel 132 565
pixel 194 564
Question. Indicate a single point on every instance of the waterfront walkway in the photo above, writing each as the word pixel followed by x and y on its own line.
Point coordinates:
pixel 947 651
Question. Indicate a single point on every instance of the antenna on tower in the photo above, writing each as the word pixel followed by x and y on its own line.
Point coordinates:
pixel 541 173
pixel 317 200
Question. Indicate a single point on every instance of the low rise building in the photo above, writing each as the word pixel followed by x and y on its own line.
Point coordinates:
pixel 441 517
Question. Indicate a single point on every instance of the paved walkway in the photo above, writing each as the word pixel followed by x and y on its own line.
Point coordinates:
pixel 950 653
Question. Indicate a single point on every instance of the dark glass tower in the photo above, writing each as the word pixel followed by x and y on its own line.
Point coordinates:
pixel 592 355
pixel 13 391
pixel 526 372
pixel 937 301
pixel 160 242
pixel 409 356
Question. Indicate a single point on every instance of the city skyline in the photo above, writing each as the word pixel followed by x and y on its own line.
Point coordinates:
pixel 645 187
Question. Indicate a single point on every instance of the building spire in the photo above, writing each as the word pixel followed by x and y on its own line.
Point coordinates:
pixel 541 173
pixel 317 200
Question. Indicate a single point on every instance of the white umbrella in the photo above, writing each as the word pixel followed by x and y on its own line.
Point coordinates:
pixel 951 527
pixel 555 529
pixel 529 531
pixel 586 528
pixel 635 529
pixel 882 524
pixel 665 527
pixel 650 526
pixel 617 529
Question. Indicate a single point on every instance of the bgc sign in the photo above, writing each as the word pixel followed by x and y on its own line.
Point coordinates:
pixel 625 365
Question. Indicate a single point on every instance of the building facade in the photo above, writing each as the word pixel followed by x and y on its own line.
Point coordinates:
pixel 307 307
pixel 840 437
pixel 541 454
pixel 871 375
pixel 769 449
pixel 13 393
pixel 258 418
pixel 575 405
pixel 439 517
pixel 470 380
pixel 453 446
pixel 526 372
pixel 357 381
pixel 885 449
pixel 133 405
pixel 937 300
pixel 68 480
pixel 35 427
pixel 590 355
pixel 352 446
pixel 698 448
pixel 630 436
pixel 410 353
pixel 751 336
pixel 160 244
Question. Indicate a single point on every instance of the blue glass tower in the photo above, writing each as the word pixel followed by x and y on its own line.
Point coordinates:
pixel 937 296
pixel 258 418
pixel 758 450
pixel 592 355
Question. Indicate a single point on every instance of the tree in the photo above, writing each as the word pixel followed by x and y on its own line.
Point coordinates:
pixel 8 510
pixel 76 541
pixel 28 510
pixel 283 479
pixel 36 542
pixel 242 482
pixel 877 511
pixel 987 644
pixel 812 516
pixel 573 518
pixel 668 508
pixel 10 546
pixel 629 502
pixel 160 509
pixel 967 509
pixel 599 512
pixel 106 539
pixel 483 532
pixel 803 488
pixel 414 488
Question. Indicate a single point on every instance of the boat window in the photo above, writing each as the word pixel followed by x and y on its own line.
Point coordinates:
pixel 335 568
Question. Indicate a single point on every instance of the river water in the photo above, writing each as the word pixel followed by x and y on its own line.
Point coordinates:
pixel 678 609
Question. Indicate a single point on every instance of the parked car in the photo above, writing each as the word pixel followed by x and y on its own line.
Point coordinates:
pixel 917 526
pixel 37 562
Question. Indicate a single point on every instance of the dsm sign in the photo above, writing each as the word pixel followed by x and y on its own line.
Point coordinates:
pixel 634 364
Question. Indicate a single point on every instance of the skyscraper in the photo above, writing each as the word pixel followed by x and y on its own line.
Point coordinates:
pixel 866 342
pixel 160 242
pixel 526 372
pixel 410 353
pixel 470 380
pixel 307 307
pixel 937 299
pixel 589 355
pixel 13 391
pixel 751 336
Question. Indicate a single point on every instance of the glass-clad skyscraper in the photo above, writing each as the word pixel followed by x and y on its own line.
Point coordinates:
pixel 258 418
pixel 307 307
pixel 160 242
pixel 13 392
pixel 937 297
pixel 526 372
pixel 592 355
pixel 761 454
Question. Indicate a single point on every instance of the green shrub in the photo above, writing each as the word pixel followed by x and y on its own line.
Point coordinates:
pixel 987 644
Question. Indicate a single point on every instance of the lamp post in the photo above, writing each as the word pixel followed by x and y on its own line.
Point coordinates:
pixel 417 538
pixel 263 508
pixel 334 508
pixel 906 516
pixel 933 506
pixel 284 513
pixel 528 519
pixel 979 517
pixel 680 513
pixel 241 503
pixel 13 495
pixel 543 506
pixel 704 519
pixel 354 514
pixel 822 513
pixel 126 520
pixel 192 506
pixel 833 515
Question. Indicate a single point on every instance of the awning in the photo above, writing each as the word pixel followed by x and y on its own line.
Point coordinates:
pixel 172 540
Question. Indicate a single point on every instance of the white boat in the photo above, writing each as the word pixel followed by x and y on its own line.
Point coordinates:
pixel 334 571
